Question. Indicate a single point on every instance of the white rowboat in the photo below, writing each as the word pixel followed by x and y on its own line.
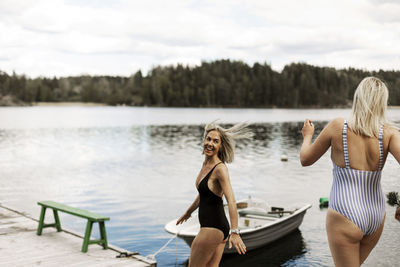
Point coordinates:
pixel 259 224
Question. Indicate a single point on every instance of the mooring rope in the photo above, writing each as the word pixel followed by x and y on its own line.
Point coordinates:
pixel 153 256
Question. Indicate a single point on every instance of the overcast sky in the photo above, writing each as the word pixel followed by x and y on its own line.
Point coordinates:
pixel 54 37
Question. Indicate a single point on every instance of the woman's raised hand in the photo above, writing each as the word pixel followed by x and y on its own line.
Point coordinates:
pixel 183 218
pixel 237 242
pixel 308 128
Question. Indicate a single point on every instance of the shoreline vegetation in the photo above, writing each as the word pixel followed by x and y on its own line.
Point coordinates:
pixel 68 104
pixel 89 104
pixel 218 84
pixel 83 104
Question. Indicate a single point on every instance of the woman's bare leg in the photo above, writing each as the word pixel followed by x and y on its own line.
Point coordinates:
pixel 344 239
pixel 369 242
pixel 216 258
pixel 204 246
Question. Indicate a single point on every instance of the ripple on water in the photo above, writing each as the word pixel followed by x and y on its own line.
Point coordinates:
pixel 142 176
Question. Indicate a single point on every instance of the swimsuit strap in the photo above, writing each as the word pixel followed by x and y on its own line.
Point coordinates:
pixel 380 148
pixel 346 153
pixel 208 174
pixel 214 167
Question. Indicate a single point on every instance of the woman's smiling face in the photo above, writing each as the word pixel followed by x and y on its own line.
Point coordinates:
pixel 212 143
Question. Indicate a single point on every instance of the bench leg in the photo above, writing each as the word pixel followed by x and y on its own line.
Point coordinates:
pixel 41 221
pixel 103 235
pixel 57 220
pixel 87 236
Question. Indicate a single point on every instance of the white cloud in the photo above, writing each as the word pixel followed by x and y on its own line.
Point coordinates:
pixel 55 37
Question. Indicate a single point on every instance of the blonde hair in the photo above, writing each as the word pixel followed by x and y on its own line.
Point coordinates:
pixel 228 138
pixel 369 107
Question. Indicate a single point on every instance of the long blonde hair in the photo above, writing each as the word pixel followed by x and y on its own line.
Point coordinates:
pixel 228 138
pixel 369 107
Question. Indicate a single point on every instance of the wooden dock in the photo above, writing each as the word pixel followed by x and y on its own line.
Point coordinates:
pixel 20 246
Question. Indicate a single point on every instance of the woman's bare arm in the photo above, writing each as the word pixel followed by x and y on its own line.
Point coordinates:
pixel 189 211
pixel 311 152
pixel 394 149
pixel 394 144
pixel 223 178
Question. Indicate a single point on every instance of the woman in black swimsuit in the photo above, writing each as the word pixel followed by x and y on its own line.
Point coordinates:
pixel 212 183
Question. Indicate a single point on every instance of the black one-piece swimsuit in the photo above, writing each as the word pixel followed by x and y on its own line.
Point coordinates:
pixel 211 208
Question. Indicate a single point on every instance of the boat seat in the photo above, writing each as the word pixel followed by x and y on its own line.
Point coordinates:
pixel 252 212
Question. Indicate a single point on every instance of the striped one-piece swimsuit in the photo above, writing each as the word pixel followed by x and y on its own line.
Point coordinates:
pixel 357 194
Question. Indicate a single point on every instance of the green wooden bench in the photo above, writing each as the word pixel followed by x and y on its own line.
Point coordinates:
pixel 90 216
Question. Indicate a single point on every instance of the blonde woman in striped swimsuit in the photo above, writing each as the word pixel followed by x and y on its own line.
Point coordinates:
pixel 359 148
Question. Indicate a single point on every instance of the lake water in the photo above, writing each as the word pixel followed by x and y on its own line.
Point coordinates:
pixel 138 166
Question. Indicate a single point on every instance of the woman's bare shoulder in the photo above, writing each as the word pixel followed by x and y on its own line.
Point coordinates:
pixel 337 122
pixel 335 125
pixel 391 130
pixel 221 170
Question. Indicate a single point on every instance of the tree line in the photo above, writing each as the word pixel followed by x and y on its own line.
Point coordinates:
pixel 220 83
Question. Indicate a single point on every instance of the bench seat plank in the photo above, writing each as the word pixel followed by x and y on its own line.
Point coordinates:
pixel 74 211
pixel 90 216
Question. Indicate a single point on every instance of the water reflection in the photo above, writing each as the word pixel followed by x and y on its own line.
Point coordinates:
pixel 286 251
pixel 286 134
pixel 280 253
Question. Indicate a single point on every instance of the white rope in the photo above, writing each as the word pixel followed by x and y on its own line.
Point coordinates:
pixel 153 256
pixel 176 251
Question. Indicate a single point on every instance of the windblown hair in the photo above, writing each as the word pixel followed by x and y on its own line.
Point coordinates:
pixel 369 107
pixel 228 138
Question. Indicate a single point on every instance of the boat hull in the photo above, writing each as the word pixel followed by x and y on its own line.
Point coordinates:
pixel 259 236
pixel 267 235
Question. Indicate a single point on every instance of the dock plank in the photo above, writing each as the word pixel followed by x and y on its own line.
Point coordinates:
pixel 20 246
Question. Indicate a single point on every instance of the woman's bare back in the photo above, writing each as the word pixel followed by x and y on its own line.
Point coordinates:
pixel 363 150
